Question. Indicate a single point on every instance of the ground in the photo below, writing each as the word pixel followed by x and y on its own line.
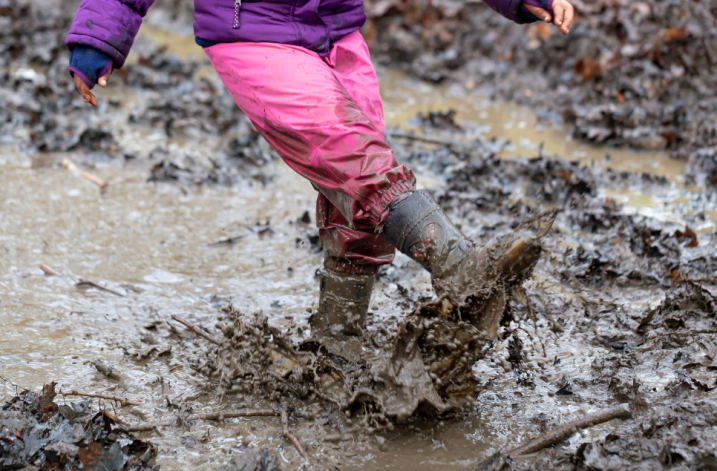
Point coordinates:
pixel 199 214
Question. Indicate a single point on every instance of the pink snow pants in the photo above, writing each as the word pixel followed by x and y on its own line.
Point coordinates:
pixel 324 116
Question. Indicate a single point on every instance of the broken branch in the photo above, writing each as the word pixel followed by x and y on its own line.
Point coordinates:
pixel 70 165
pixel 92 284
pixel 238 413
pixel 292 437
pixel 48 271
pixel 141 428
pixel 564 431
pixel 196 330
pixel 121 400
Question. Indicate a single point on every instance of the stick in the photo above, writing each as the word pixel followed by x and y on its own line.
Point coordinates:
pixel 238 413
pixel 70 165
pixel 101 288
pixel 141 428
pixel 196 330
pixel 564 431
pixel 48 271
pixel 227 241
pixel 121 400
pixel 292 437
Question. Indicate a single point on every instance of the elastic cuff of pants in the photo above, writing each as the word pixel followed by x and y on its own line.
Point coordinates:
pixel 379 203
pixel 344 266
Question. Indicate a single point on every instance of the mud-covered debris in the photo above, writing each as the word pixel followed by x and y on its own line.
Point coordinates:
pixel 251 459
pixel 688 306
pixel 35 432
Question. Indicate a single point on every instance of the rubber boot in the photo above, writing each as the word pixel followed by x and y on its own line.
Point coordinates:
pixel 459 269
pixel 343 304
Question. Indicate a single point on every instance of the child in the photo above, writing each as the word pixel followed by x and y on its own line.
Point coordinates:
pixel 301 72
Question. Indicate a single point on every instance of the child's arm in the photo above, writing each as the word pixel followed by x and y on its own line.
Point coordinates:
pixel 100 38
pixel 559 12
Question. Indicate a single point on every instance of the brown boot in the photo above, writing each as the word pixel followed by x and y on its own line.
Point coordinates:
pixel 343 304
pixel 459 269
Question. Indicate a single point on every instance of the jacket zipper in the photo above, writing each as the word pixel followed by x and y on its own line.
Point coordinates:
pixel 237 7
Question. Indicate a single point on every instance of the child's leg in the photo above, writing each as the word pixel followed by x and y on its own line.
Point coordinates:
pixel 325 119
pixel 351 63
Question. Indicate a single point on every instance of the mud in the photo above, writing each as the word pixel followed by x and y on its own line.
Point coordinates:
pixel 619 309
pixel 638 75
pixel 168 96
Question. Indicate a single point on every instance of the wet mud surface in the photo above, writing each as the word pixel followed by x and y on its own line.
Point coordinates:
pixel 620 308
pixel 640 75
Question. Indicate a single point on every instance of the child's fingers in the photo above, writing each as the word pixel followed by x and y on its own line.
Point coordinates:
pixel 569 17
pixel 103 79
pixel 85 91
pixel 539 13
pixel 559 11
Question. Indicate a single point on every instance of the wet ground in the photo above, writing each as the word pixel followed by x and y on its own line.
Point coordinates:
pixel 638 75
pixel 622 303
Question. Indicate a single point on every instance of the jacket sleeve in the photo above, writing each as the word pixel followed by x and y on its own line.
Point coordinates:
pixel 108 26
pixel 511 9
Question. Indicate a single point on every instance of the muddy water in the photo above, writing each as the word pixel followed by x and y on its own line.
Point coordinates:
pixel 149 243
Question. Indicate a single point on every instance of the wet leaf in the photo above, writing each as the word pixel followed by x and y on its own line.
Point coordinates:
pixel 99 458
pixel 688 234
pixel 47 396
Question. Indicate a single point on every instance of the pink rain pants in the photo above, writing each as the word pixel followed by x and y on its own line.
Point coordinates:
pixel 324 116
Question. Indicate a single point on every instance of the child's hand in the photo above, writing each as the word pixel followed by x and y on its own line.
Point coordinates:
pixel 564 14
pixel 85 90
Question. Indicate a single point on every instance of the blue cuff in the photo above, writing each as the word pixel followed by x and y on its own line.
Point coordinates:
pixel 204 42
pixel 90 63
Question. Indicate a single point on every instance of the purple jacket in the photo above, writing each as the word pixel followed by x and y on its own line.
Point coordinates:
pixel 111 25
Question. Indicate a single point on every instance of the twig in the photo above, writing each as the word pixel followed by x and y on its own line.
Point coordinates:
pixel 292 437
pixel 238 413
pixel 121 400
pixel 101 288
pixel 564 431
pixel 14 385
pixel 196 329
pixel 226 241
pixel 70 165
pixel 48 271
pixel 141 428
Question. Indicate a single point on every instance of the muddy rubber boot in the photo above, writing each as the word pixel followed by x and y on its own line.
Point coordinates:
pixel 459 269
pixel 343 304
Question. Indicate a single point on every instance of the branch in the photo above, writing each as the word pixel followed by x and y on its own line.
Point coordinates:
pixel 564 431
pixel 121 400
pixel 48 270
pixel 95 285
pixel 196 330
pixel 238 413
pixel 70 165
pixel 292 437
pixel 141 428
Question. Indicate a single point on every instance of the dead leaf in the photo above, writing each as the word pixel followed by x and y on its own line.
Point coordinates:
pixel 673 34
pixel 688 234
pixel 98 458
